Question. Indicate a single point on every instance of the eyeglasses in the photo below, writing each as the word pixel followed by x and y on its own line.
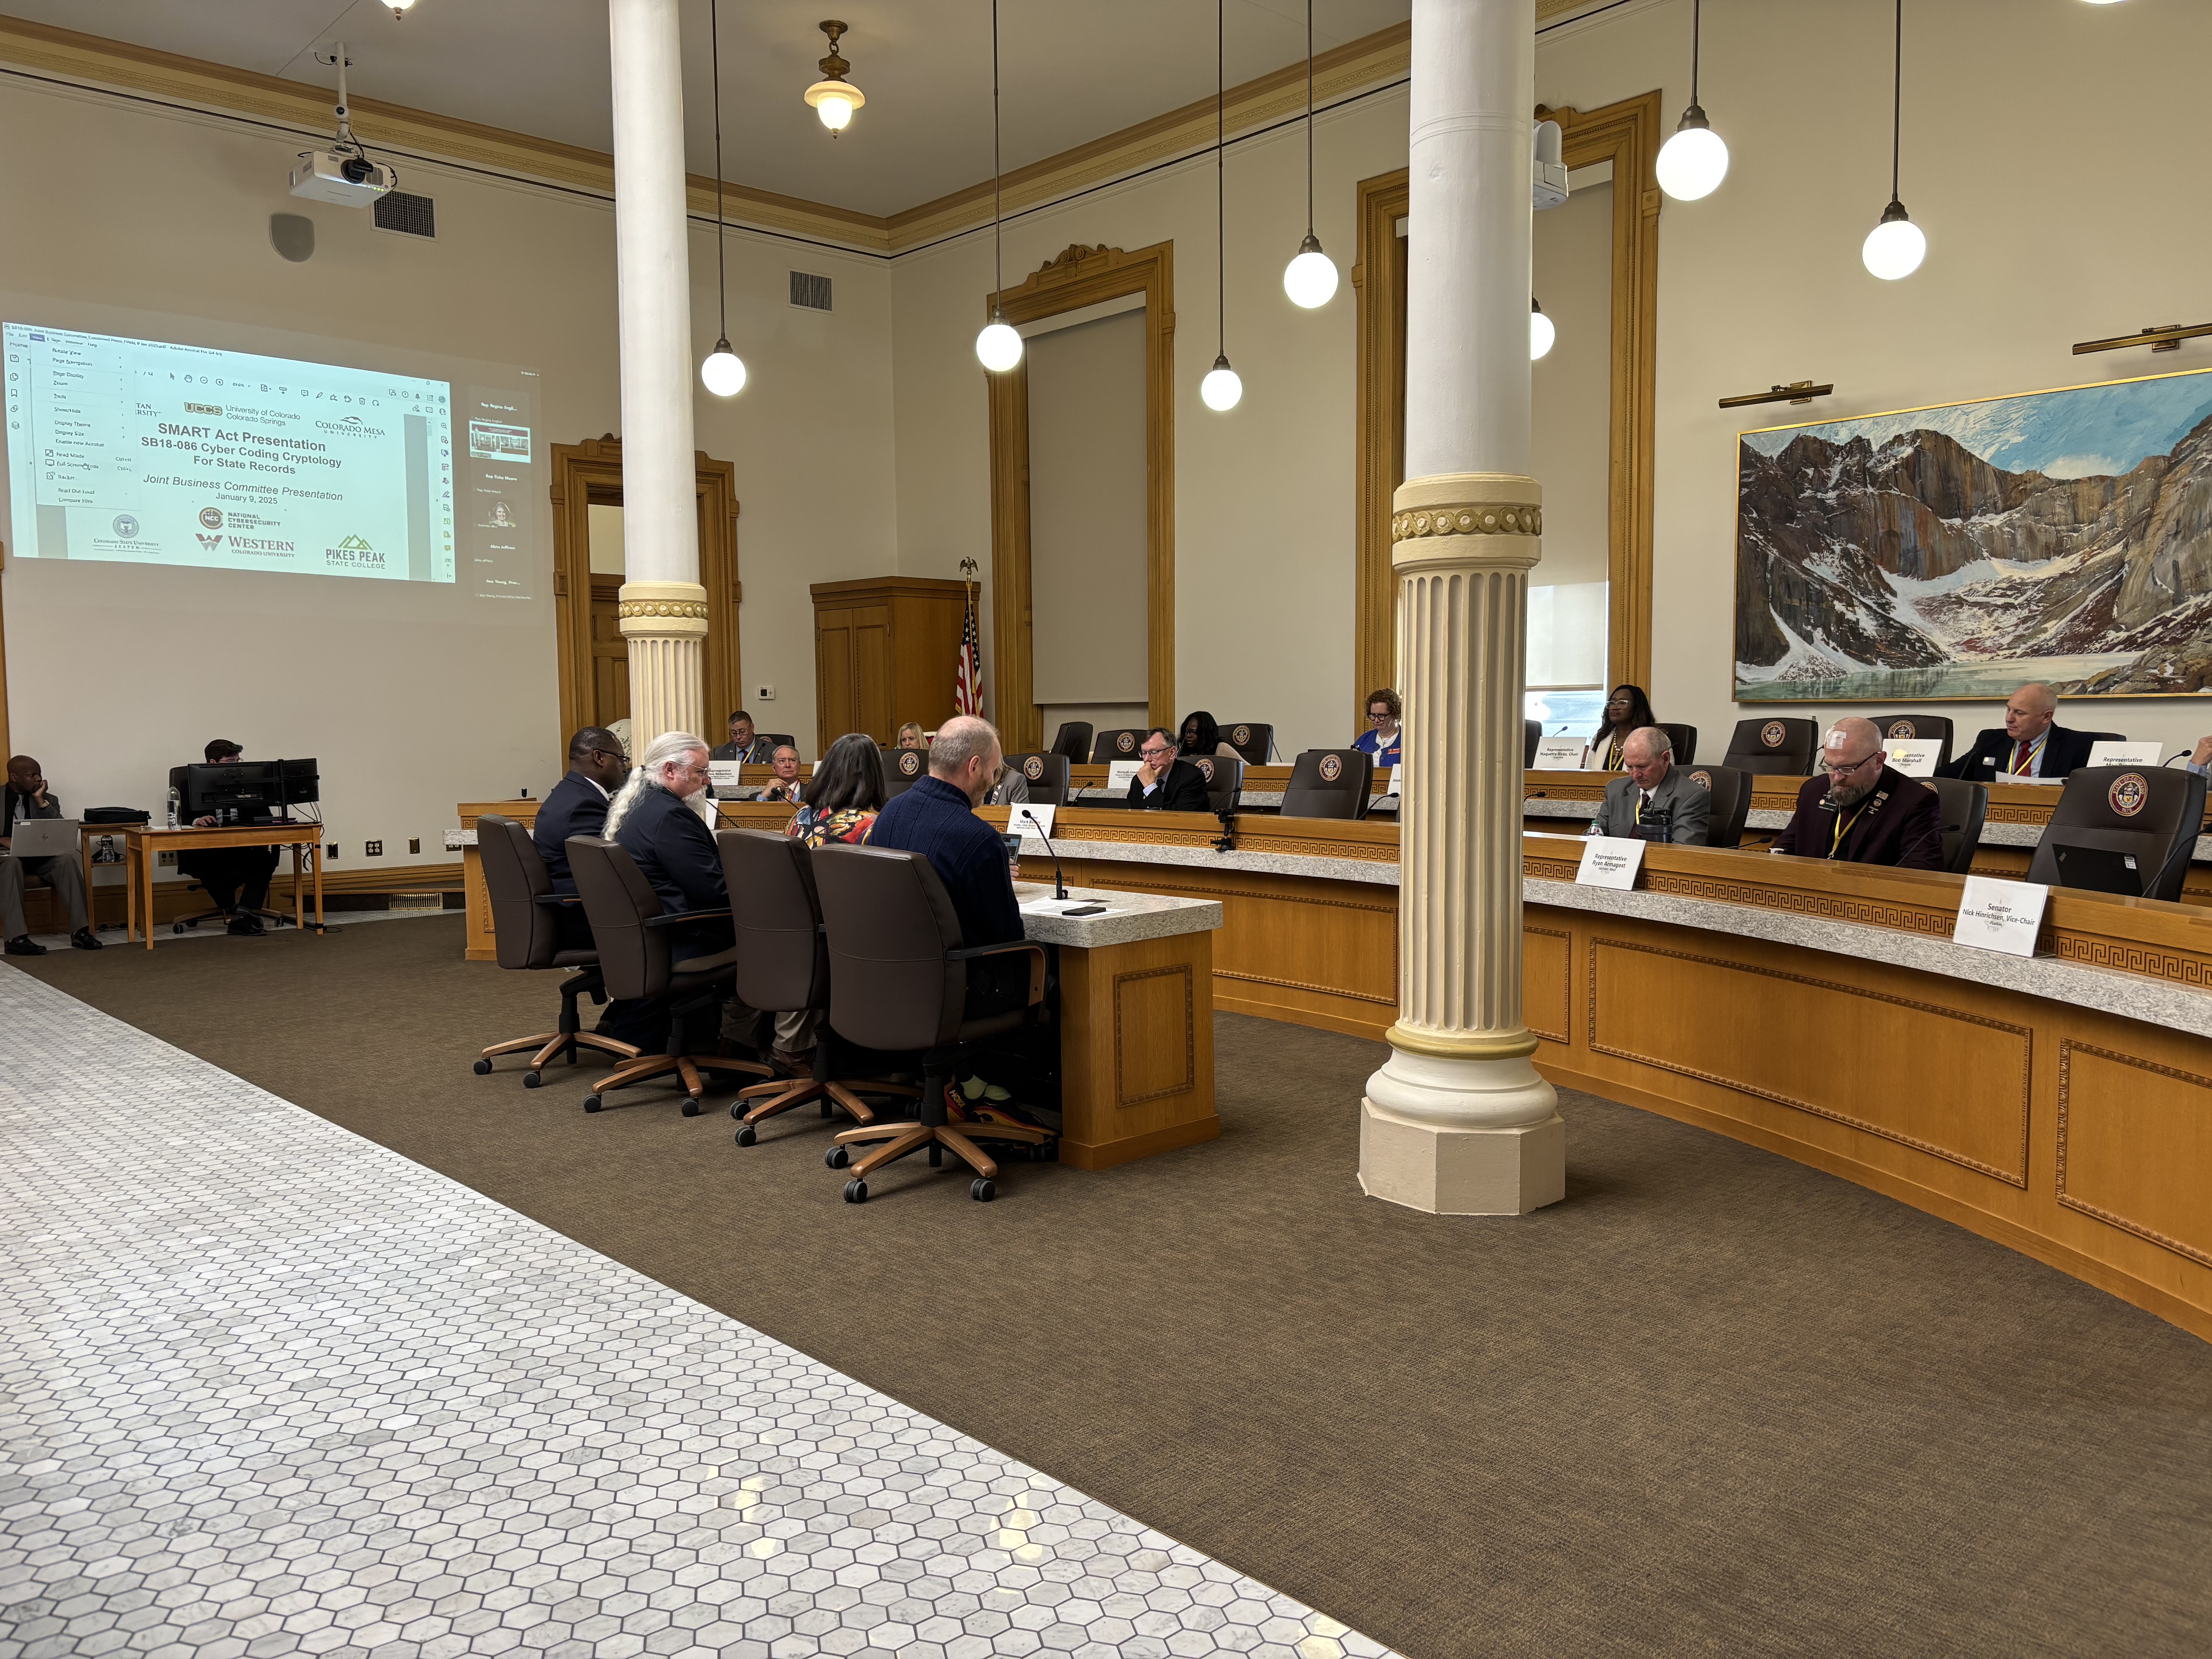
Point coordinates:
pixel 1378 715
pixel 1846 771
pixel 1156 753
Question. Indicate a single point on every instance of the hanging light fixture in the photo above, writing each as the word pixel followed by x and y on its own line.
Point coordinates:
pixel 1541 332
pixel 834 97
pixel 1311 277
pixel 1220 389
pixel 1692 163
pixel 723 373
pixel 998 347
pixel 1895 247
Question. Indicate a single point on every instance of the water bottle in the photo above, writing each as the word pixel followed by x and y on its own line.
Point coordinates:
pixel 172 806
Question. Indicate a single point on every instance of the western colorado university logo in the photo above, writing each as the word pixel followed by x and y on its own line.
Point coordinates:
pixel 1772 733
pixel 1902 729
pixel 2130 794
pixel 1332 768
pixel 1126 742
pixel 1033 769
pixel 909 763
pixel 1241 734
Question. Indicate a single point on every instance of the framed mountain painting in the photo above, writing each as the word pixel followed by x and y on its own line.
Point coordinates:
pixel 1955 552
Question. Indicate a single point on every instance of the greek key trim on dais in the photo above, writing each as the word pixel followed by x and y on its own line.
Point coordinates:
pixel 2067 1049
pixel 694 609
pixel 2132 959
pixel 1469 518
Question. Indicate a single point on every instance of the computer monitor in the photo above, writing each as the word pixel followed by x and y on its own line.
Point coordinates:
pixel 301 782
pixel 249 788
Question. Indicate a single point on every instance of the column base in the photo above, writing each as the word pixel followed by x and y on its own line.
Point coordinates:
pixel 1449 1172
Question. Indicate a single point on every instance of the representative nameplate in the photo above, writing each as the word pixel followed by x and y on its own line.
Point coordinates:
pixel 1610 861
pixel 1559 754
pixel 1029 818
pixel 1387 784
pixel 1914 756
pixel 1120 774
pixel 2107 752
pixel 725 775
pixel 2000 915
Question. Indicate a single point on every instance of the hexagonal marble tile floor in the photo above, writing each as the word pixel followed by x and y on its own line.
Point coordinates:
pixel 266 1387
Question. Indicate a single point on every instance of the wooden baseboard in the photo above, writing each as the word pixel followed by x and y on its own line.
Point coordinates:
pixel 1136 1146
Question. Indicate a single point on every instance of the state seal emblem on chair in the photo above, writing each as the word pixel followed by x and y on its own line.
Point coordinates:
pixel 1205 765
pixel 1127 743
pixel 2129 795
pixel 1902 729
pixel 909 763
pixel 1332 768
pixel 1241 734
pixel 1704 780
pixel 1772 733
pixel 1033 767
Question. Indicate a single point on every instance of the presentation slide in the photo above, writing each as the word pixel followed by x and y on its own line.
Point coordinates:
pixel 143 452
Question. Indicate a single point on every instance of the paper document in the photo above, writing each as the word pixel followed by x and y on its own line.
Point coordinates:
pixel 2000 915
pixel 1119 773
pixel 725 775
pixel 1053 907
pixel 1559 754
pixel 1028 818
pixel 1610 861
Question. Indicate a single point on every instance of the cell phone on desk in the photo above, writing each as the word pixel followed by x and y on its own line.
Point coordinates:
pixel 1085 910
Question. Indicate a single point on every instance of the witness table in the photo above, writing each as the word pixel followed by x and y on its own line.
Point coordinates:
pixel 144 843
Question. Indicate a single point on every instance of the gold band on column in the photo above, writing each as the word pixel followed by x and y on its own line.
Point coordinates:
pixel 666 626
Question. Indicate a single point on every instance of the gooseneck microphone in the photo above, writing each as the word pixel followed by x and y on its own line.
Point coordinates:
pixel 1058 880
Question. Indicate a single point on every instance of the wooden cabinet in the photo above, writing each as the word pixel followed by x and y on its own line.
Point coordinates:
pixel 885 652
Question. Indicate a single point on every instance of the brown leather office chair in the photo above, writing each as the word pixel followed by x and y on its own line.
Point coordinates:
pixel 1926 728
pixel 903 769
pixel 1774 746
pixel 1121 743
pixel 525 920
pixel 1532 733
pixel 1964 807
pixel 1046 775
pixel 779 740
pixel 632 933
pixel 898 982
pixel 1684 738
pixel 1730 806
pixel 783 968
pixel 1225 780
pixel 1073 740
pixel 1253 740
pixel 1329 783
pixel 2148 816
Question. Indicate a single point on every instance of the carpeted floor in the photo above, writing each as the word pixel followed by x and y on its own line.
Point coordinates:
pixel 1714 1403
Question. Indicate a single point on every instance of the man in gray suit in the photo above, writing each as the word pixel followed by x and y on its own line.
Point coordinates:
pixel 1652 786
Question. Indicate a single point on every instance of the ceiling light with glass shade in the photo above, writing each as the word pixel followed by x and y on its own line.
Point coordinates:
pixel 833 97
pixel 1311 277
pixel 1541 334
pixel 1221 390
pixel 1894 247
pixel 998 347
pixel 1692 163
pixel 723 373
pixel 397 8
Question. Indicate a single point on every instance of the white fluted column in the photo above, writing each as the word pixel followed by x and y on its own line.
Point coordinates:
pixel 1458 1121
pixel 663 608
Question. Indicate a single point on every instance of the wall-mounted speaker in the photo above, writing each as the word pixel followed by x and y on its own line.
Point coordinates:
pixel 293 236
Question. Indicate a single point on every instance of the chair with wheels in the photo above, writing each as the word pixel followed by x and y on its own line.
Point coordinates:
pixel 636 960
pixel 1774 746
pixel 525 919
pixel 2122 829
pixel 1329 783
pixel 1073 741
pixel 1730 806
pixel 1225 780
pixel 1921 728
pixel 783 968
pixel 1119 744
pixel 1964 806
pixel 898 982
pixel 1253 740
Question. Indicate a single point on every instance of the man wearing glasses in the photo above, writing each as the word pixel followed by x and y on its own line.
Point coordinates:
pixel 578 806
pixel 1861 810
pixel 1163 783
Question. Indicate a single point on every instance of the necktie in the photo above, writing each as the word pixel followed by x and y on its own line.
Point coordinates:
pixel 2021 754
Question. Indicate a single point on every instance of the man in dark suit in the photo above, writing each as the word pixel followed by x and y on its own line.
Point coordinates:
pixel 745 747
pixel 1652 792
pixel 2029 748
pixel 1863 810
pixel 578 806
pixel 1164 783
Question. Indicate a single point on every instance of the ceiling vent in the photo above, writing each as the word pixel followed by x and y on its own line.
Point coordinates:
pixel 809 291
pixel 410 215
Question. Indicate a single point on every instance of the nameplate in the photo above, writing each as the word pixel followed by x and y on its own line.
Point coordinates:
pixel 1120 774
pixel 1028 818
pixel 725 775
pixel 2000 915
pixel 1610 861
pixel 1559 754
pixel 2109 752
pixel 1389 782
pixel 1914 756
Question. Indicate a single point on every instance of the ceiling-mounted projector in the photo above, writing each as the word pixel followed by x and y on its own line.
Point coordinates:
pixel 341 177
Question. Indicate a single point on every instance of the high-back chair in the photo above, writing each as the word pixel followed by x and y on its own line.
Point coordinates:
pixel 1046 775
pixel 1684 738
pixel 1962 807
pixel 1073 741
pixel 2117 827
pixel 783 968
pixel 637 961
pixel 903 769
pixel 1532 733
pixel 1225 780
pixel 1253 740
pixel 1774 746
pixel 779 740
pixel 1121 743
pixel 525 920
pixel 1730 806
pixel 898 982
pixel 1918 728
pixel 1329 783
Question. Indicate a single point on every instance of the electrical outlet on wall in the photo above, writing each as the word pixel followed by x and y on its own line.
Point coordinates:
pixel 766 694
pixel 373 849
pixel 413 843
pixel 331 851
pixel 165 860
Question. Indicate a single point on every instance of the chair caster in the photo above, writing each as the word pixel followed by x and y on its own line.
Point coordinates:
pixel 737 1107
pixel 690 1109
pixel 746 1136
pixel 837 1157
pixel 530 1079
pixel 591 1103
pixel 483 1068
pixel 856 1191
pixel 982 1190
pixel 179 927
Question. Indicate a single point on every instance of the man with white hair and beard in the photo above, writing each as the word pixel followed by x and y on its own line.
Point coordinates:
pixel 1860 810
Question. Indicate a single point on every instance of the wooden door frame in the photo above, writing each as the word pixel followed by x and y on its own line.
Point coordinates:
pixel 1080 277
pixel 1628 135
pixel 590 474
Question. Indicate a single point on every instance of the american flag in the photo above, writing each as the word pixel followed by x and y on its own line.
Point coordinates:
pixel 967 672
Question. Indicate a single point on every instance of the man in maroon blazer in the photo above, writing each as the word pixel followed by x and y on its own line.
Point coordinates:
pixel 1862 810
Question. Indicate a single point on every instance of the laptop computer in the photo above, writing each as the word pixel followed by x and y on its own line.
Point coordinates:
pixel 2098 870
pixel 43 838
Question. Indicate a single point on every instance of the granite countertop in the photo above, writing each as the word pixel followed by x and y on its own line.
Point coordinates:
pixel 1380 872
pixel 1129 917
pixel 2131 996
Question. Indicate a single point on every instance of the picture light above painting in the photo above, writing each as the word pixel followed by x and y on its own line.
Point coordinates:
pixel 1955 551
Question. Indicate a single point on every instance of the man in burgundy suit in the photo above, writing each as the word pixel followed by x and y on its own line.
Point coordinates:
pixel 1861 810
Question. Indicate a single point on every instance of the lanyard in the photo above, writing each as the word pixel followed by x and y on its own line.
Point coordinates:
pixel 1842 829
pixel 2024 757
pixel 1612 754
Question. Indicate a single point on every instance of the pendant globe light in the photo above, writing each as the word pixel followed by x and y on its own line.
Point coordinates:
pixel 998 347
pixel 1221 389
pixel 1541 334
pixel 1692 163
pixel 723 373
pixel 833 97
pixel 1894 248
pixel 1311 277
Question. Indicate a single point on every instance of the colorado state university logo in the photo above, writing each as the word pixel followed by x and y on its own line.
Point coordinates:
pixel 1241 734
pixel 1902 729
pixel 1332 769
pixel 909 763
pixel 1772 733
pixel 2129 795
pixel 1126 742
pixel 1033 767
pixel 1205 765
pixel 1703 780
